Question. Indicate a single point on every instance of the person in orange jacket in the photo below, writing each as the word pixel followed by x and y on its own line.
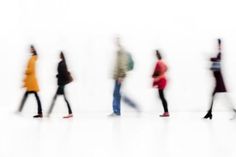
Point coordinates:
pixel 31 83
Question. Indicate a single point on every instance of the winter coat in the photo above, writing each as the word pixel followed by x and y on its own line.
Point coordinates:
pixel 219 81
pixel 63 76
pixel 30 81
pixel 159 78
pixel 121 66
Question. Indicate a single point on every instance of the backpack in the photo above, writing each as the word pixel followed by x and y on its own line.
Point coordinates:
pixel 130 64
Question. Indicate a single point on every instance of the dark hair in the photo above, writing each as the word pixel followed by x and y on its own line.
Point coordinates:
pixel 34 51
pixel 158 54
pixel 62 56
pixel 219 41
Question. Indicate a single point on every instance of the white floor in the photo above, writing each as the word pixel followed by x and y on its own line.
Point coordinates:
pixel 147 135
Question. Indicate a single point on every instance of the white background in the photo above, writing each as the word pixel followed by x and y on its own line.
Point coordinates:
pixel 184 31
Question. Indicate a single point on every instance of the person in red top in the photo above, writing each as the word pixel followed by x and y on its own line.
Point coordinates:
pixel 160 81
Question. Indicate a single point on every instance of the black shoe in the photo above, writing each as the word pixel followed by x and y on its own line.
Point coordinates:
pixel 208 115
pixel 38 116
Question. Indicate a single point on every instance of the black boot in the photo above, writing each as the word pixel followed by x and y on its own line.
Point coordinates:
pixel 38 116
pixel 208 115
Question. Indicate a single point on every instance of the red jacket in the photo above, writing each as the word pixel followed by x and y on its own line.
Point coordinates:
pixel 159 78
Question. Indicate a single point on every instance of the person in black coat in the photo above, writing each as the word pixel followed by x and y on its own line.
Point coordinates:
pixel 219 81
pixel 63 78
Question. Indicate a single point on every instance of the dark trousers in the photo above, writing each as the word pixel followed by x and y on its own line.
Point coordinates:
pixel 163 100
pixel 59 92
pixel 116 98
pixel 25 97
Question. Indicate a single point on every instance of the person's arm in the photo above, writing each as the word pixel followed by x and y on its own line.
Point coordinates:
pixel 156 72
pixel 217 58
pixel 30 67
pixel 158 78
pixel 161 69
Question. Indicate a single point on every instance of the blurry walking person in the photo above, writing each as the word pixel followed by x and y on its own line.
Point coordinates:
pixel 31 83
pixel 124 63
pixel 63 78
pixel 160 81
pixel 219 81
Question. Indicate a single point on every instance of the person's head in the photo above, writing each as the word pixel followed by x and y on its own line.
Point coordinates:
pixel 117 41
pixel 32 50
pixel 62 55
pixel 158 54
pixel 219 44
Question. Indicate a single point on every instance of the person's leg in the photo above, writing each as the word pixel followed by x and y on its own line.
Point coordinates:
pixel 163 100
pixel 209 113
pixel 39 103
pixel 130 102
pixel 52 104
pixel 68 105
pixel 212 102
pixel 230 102
pixel 116 98
pixel 23 101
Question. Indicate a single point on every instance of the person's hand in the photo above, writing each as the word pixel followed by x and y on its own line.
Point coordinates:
pixel 120 80
pixel 155 86
pixel 156 79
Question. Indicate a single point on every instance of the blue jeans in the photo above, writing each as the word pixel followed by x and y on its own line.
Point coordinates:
pixel 116 98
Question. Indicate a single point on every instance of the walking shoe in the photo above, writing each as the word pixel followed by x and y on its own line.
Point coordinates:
pixel 165 114
pixel 48 115
pixel 114 115
pixel 38 116
pixel 68 116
